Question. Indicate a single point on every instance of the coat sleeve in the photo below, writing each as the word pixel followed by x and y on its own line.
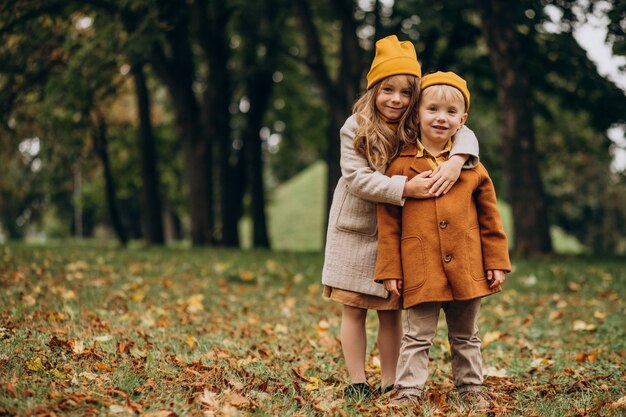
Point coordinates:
pixel 388 259
pixel 493 239
pixel 363 181
pixel 466 142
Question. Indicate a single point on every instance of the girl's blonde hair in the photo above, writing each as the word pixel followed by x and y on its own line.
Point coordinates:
pixel 374 139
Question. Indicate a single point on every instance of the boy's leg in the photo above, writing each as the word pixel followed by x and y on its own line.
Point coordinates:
pixel 420 326
pixel 389 337
pixel 462 319
pixel 354 341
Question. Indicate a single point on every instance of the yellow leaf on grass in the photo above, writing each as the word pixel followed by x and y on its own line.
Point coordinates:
pixel 246 276
pixel 323 325
pixel 35 365
pixel 56 317
pixel 491 337
pixel 138 296
pixel 192 342
pixel 573 286
pixel 600 315
pixel 580 326
pixel 281 328
pixel 194 303
pixel 313 383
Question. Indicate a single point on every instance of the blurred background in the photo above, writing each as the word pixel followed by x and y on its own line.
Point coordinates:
pixel 216 122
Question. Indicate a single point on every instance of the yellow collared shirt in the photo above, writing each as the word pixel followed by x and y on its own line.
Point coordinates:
pixel 434 161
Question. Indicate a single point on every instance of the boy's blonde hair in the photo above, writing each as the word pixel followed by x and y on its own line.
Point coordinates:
pixel 374 139
pixel 445 93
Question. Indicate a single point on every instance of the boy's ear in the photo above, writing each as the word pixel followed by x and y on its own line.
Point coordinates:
pixel 463 119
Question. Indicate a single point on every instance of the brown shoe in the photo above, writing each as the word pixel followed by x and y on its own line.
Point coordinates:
pixel 407 398
pixel 477 400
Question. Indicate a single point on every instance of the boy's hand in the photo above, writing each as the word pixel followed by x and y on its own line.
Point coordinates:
pixel 393 286
pixel 495 277
pixel 446 174
pixel 417 187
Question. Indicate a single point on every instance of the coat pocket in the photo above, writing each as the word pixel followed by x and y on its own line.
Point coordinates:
pixel 357 216
pixel 413 262
pixel 475 254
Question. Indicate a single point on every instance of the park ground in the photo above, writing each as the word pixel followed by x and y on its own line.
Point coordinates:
pixel 97 331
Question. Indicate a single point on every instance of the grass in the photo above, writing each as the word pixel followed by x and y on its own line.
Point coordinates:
pixel 95 331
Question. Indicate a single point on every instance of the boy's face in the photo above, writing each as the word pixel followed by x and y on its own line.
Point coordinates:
pixel 440 117
pixel 394 96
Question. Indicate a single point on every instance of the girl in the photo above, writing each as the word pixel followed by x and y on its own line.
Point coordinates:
pixel 384 119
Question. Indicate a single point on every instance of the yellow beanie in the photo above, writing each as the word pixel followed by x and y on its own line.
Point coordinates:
pixel 393 58
pixel 447 78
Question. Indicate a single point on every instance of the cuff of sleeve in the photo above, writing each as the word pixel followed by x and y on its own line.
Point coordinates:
pixel 397 189
pixel 471 162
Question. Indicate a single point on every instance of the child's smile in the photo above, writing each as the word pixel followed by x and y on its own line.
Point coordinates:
pixel 394 96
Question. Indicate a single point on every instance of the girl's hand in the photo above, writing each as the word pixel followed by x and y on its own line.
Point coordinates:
pixel 495 277
pixel 393 286
pixel 417 187
pixel 446 174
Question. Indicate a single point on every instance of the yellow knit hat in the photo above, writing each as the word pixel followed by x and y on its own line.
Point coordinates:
pixel 447 78
pixel 393 58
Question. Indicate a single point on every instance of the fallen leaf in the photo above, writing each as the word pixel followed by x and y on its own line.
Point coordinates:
pixel 209 399
pixel 619 404
pixel 495 372
pixel 573 286
pixel 88 375
pixel 246 276
pixel 238 400
pixel 491 337
pixel 600 315
pixel 580 325
pixel 104 338
pixel 313 384
pixel 117 409
pixel 35 365
pixel 555 315
pixel 192 342
pixel 194 303
pixel 323 325
pixel 77 346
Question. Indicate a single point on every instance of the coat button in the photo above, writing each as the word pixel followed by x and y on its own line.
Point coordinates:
pixel 447 258
pixel 443 224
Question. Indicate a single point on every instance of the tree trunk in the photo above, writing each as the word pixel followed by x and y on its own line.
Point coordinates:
pixel 521 168
pixel 151 213
pixel 178 75
pixel 340 94
pixel 99 137
pixel 210 25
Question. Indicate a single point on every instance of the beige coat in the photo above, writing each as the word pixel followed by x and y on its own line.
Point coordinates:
pixel 351 239
pixel 442 246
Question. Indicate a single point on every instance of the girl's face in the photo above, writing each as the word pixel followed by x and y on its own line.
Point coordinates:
pixel 394 96
pixel 441 116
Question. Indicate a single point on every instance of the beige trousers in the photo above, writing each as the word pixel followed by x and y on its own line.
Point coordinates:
pixel 420 326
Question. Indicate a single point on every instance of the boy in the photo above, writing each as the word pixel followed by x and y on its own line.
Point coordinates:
pixel 444 253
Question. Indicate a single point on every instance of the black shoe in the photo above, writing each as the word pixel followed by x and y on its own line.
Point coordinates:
pixel 383 391
pixel 358 391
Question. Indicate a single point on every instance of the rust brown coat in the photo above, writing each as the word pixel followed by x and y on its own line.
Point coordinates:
pixel 441 247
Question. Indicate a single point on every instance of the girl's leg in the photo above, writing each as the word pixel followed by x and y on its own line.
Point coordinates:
pixel 389 337
pixel 354 341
